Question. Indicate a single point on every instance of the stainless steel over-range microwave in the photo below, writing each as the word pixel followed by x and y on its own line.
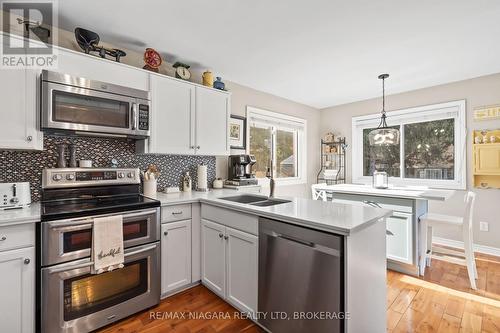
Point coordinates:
pixel 70 103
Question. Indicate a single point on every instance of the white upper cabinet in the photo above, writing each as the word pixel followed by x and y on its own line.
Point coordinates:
pixel 187 118
pixel 95 68
pixel 18 128
pixel 212 116
pixel 173 116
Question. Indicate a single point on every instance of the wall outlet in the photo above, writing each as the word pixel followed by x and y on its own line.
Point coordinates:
pixel 484 226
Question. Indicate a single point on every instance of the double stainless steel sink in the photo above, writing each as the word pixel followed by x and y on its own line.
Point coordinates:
pixel 255 200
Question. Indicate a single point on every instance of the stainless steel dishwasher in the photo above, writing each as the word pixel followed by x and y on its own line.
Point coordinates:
pixel 301 279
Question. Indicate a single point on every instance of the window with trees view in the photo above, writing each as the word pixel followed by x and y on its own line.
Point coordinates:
pixel 431 150
pixel 277 141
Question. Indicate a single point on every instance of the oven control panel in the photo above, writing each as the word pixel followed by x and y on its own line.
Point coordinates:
pixel 75 177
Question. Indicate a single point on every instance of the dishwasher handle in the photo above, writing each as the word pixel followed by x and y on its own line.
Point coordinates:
pixel 293 239
pixel 315 247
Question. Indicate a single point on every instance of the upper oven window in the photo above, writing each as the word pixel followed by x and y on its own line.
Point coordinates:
pixel 89 110
pixel 82 239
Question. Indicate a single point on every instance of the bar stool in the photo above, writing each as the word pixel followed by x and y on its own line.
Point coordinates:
pixel 465 223
pixel 318 194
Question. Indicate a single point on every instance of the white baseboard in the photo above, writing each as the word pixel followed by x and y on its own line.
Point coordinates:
pixel 494 251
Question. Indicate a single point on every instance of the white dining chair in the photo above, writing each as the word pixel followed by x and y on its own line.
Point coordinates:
pixel 465 224
pixel 318 194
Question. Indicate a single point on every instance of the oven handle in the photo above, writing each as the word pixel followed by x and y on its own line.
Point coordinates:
pixel 69 267
pixel 88 221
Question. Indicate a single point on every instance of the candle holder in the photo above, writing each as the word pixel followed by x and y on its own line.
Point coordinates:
pixel 380 179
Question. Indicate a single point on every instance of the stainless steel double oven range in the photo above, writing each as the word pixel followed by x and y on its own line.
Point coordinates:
pixel 69 297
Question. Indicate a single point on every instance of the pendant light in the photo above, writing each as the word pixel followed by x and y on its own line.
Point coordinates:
pixel 383 135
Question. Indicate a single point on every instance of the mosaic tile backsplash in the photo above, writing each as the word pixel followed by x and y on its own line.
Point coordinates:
pixel 22 166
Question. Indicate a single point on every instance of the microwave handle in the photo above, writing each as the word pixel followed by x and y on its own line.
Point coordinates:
pixel 134 116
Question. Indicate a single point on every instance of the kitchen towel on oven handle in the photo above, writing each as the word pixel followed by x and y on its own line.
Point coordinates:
pixel 107 244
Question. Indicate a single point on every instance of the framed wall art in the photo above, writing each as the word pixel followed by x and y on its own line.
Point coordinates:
pixel 237 132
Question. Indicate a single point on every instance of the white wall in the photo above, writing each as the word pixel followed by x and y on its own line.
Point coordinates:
pixel 477 92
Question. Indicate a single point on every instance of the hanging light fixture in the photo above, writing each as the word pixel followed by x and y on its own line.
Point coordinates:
pixel 383 135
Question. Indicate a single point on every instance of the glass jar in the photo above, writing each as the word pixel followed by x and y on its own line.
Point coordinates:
pixel 380 179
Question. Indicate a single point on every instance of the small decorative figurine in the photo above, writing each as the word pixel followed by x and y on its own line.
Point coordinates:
pixel 186 182
pixel 208 78
pixel 182 71
pixel 218 84
pixel 152 59
pixel 89 42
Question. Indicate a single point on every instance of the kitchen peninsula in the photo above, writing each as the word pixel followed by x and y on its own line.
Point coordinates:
pixel 405 240
pixel 229 235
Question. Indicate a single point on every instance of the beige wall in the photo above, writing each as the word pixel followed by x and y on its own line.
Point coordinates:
pixel 477 92
pixel 242 96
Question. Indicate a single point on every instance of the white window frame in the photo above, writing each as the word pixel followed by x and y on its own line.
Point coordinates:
pixel 278 119
pixel 454 109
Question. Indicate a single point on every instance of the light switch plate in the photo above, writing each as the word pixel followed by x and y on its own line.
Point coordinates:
pixel 484 226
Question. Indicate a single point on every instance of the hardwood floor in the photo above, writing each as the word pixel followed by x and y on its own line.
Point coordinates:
pixel 441 301
pixel 197 301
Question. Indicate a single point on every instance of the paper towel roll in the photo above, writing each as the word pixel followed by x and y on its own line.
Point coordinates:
pixel 202 177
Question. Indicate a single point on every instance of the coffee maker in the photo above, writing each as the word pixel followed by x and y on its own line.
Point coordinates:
pixel 240 170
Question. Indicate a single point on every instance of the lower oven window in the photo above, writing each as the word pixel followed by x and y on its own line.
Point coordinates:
pixel 82 239
pixel 90 293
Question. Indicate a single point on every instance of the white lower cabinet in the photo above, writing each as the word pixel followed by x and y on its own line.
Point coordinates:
pixel 213 257
pixel 229 264
pixel 17 278
pixel 399 237
pixel 241 255
pixel 175 255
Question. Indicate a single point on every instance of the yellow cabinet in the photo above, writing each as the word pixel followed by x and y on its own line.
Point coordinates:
pixel 487 159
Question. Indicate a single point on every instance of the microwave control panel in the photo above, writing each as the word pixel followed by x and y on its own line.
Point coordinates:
pixel 144 117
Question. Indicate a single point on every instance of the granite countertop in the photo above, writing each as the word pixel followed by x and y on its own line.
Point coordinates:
pixel 326 216
pixel 29 214
pixel 410 192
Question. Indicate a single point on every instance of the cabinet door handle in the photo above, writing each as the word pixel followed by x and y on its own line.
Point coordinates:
pixel 29 138
pixel 177 213
pixel 197 147
pixel 27 261
pixel 3 238
pixel 221 235
pixel 192 147
pixel 165 233
pixel 226 237
pixel 389 233
pixel 372 203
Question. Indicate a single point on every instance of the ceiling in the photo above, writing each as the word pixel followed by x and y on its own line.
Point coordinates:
pixel 317 52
